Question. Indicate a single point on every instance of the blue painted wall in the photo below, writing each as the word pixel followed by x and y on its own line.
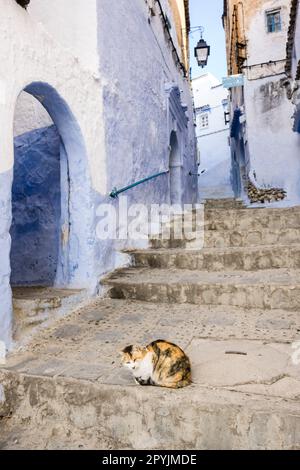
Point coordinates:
pixel 36 208
pixel 5 291
pixel 135 102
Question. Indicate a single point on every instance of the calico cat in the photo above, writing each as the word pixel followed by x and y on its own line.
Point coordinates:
pixel 160 363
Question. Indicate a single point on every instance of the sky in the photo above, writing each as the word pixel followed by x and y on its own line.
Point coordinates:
pixel 208 13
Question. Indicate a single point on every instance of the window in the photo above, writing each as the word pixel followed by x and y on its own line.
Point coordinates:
pixel 225 103
pixel 204 121
pixel 273 21
pixel 204 108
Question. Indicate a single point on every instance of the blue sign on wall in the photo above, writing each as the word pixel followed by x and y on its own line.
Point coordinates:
pixel 233 81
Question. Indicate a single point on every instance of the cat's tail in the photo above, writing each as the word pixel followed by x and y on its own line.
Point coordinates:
pixel 178 385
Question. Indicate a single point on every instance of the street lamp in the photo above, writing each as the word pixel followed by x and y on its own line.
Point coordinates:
pixel 23 3
pixel 202 51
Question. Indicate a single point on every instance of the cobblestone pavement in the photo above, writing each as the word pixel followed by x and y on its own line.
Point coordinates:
pixel 86 344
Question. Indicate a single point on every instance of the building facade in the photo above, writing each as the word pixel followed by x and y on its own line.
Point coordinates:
pixel 211 107
pixel 265 150
pixel 93 96
pixel 293 61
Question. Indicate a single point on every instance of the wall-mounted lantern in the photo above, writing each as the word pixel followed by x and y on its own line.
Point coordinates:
pixel 202 52
pixel 23 3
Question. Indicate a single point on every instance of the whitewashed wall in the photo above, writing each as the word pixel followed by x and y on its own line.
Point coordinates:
pixel 296 54
pixel 263 46
pixel 29 115
pixel 295 66
pixel 271 147
pixel 35 55
pixel 73 25
pixel 28 54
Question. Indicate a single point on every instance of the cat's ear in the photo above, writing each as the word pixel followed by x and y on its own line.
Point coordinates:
pixel 127 350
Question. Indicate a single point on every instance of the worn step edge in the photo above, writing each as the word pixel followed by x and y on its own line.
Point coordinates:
pixel 254 294
pixel 270 211
pixel 276 277
pixel 27 324
pixel 235 238
pixel 149 418
pixel 219 259
pixel 214 250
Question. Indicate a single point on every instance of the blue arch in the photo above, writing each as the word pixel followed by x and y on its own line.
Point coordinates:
pixel 65 122
pixel 79 258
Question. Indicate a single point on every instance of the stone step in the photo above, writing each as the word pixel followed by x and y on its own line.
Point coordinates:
pixel 69 385
pixel 75 414
pixel 220 228
pixel 233 238
pixel 267 289
pixel 33 306
pixel 221 259
pixel 252 219
pixel 196 225
pixel 224 204
pixel 254 237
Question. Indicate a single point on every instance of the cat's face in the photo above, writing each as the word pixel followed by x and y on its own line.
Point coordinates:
pixel 132 356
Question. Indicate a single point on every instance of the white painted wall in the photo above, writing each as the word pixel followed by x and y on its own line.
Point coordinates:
pixel 272 149
pixel 28 54
pixel 72 24
pixel 295 66
pixel 29 115
pixel 273 146
pixel 212 141
pixel 261 45
pixel 35 55
pixel 296 54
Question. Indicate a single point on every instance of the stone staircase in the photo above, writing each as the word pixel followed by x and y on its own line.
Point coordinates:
pixel 234 306
pixel 262 274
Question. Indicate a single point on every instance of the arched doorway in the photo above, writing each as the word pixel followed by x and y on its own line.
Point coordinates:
pixel 175 170
pixel 36 196
pixel 52 220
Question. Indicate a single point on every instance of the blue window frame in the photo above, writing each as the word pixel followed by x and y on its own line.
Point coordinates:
pixel 274 21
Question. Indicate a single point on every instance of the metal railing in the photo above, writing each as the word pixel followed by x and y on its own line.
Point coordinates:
pixel 115 192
